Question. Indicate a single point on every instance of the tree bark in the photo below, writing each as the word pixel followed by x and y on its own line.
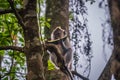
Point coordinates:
pixel 113 65
pixel 32 47
pixel 57 11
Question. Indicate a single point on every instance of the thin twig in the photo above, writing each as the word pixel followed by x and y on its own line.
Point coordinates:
pixel 5 11
pixel 16 14
pixel 79 75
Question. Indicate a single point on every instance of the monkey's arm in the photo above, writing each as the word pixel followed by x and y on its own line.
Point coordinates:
pixel 61 42
pixel 56 41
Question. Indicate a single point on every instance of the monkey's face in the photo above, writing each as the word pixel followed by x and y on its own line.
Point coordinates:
pixel 59 34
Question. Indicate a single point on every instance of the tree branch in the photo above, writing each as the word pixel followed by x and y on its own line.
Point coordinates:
pixel 16 13
pixel 12 48
pixel 5 11
pixel 79 75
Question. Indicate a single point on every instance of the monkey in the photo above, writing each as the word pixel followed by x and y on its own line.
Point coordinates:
pixel 64 44
pixel 60 39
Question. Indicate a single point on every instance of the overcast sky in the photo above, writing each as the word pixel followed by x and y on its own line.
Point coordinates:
pixel 96 17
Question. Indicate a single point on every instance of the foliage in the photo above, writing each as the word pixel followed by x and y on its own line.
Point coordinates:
pixel 13 62
pixel 50 65
pixel 11 34
pixel 4 4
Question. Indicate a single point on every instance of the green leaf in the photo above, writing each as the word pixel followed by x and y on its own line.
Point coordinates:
pixel 4 4
pixel 21 39
pixel 50 65
pixel 2 52
pixel 6 78
pixel 48 19
pixel 47 24
pixel 3 70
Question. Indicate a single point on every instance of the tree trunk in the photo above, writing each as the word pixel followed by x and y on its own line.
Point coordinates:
pixel 32 43
pixel 113 66
pixel 57 11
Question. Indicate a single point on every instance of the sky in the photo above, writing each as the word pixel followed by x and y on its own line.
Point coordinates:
pixel 96 17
